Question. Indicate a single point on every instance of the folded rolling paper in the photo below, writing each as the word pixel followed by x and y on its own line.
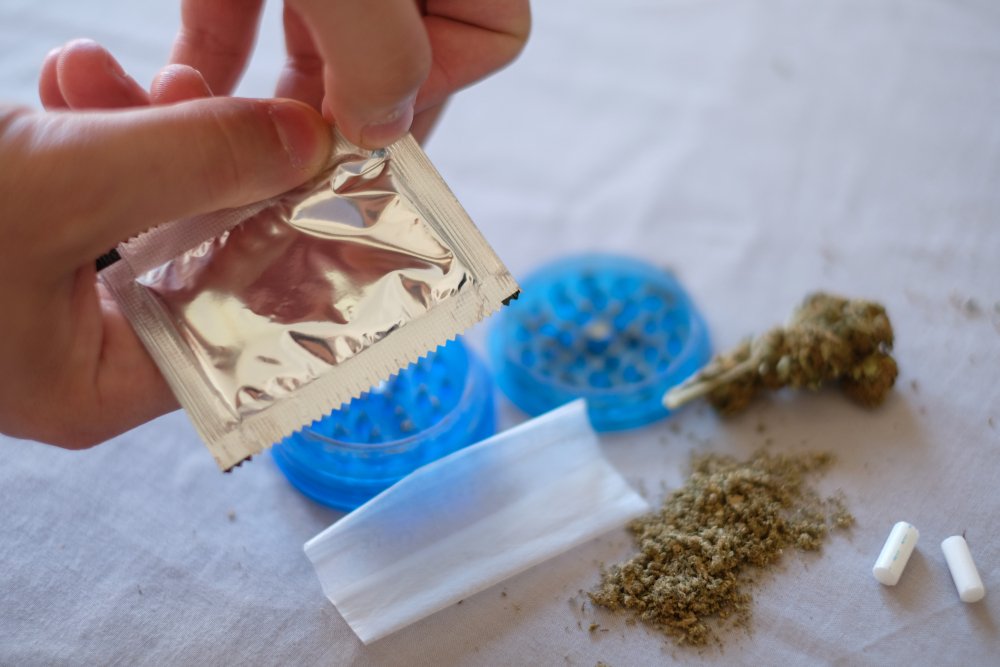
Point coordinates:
pixel 470 520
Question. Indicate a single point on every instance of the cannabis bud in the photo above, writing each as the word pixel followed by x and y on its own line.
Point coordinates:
pixel 829 339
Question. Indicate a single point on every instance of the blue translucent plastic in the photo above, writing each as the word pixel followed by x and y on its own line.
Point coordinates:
pixel 613 330
pixel 430 409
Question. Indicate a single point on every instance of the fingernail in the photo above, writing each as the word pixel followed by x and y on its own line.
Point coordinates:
pixel 297 128
pixel 98 55
pixel 115 67
pixel 81 42
pixel 389 128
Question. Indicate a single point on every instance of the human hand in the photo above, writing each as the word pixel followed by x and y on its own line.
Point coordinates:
pixel 371 66
pixel 75 183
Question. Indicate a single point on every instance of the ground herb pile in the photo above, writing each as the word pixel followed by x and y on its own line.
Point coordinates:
pixel 829 339
pixel 695 566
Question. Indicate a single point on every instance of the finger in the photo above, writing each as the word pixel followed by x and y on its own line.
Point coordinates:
pixel 90 78
pixel 302 77
pixel 130 385
pixel 177 83
pixel 216 38
pixel 89 362
pixel 48 82
pixel 124 172
pixel 377 56
pixel 471 40
pixel 424 122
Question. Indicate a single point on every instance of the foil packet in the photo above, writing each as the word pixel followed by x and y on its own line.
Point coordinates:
pixel 265 318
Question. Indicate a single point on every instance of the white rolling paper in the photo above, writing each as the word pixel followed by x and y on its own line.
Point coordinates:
pixel 470 520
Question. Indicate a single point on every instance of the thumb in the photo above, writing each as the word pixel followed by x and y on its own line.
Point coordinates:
pixel 104 177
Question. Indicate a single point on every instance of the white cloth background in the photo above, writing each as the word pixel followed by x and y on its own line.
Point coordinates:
pixel 762 149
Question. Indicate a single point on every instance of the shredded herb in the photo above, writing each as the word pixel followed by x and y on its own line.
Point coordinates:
pixel 695 554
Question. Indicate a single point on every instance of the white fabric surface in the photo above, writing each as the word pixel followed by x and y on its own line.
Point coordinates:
pixel 763 149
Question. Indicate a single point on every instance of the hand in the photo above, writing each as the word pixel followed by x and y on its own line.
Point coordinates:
pixel 75 183
pixel 371 66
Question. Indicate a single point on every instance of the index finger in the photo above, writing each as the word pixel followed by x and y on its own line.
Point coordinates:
pixel 377 55
pixel 216 38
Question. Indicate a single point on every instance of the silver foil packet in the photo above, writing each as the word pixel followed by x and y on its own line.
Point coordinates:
pixel 265 318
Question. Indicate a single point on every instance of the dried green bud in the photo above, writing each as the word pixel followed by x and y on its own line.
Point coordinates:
pixel 870 380
pixel 828 339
